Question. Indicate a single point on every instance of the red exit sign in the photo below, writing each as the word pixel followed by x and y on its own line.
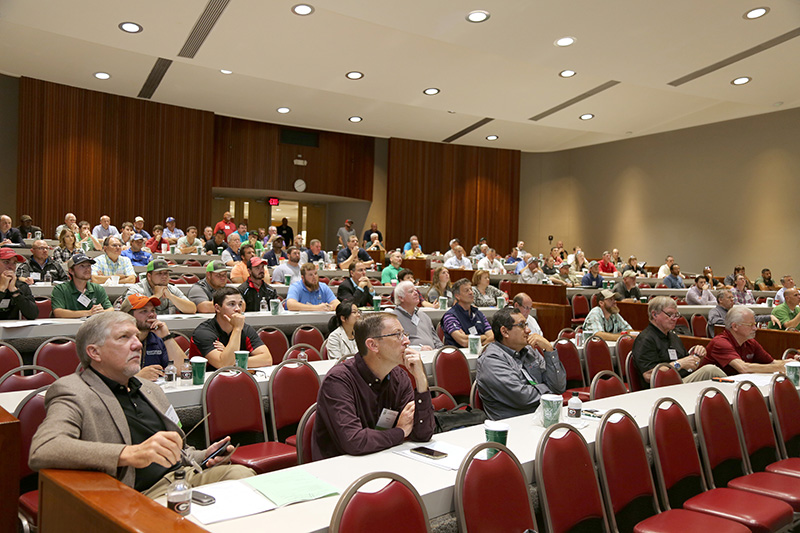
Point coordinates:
pixel 273 201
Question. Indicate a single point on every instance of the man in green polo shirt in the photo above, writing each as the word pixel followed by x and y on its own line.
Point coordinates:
pixel 788 312
pixel 390 272
pixel 79 297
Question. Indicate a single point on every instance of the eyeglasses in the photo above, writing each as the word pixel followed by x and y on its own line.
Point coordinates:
pixel 747 324
pixel 398 334
pixel 518 324
pixel 673 316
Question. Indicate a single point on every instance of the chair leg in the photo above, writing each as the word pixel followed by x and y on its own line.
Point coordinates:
pixel 25 526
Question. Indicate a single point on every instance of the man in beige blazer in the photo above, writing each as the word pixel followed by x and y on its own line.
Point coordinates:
pixel 105 419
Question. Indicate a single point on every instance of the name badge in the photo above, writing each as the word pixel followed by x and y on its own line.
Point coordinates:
pixel 35 276
pixel 4 303
pixel 84 300
pixel 415 320
pixel 172 415
pixel 387 419
pixel 473 330
pixel 673 354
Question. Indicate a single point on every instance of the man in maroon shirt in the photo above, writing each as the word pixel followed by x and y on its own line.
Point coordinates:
pixel 367 403
pixel 226 224
pixel 606 264
pixel 736 351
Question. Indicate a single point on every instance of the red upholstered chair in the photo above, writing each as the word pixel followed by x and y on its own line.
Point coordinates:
pixel 323 279
pixel 398 505
pixel 661 286
pixel 682 322
pixel 624 347
pixel 568 489
pixel 178 280
pixel 570 357
pixel 722 455
pixel 664 375
pixel 45 306
pixel 492 494
pixel 307 334
pixel 59 354
pixel 644 285
pixel 580 308
pixel 566 333
pixel 294 352
pixel 784 403
pixel 635 382
pixel 475 397
pixel 597 356
pixel 292 388
pixel 699 324
pixel 9 358
pixel 504 285
pixel 192 263
pixel 442 400
pixel 606 384
pixel 451 372
pixel 324 351
pixel 755 426
pixel 13 380
pixel 30 412
pixel 190 278
pixel 335 282
pixel 628 488
pixel 440 331
pixel 790 353
pixel 761 300
pixel 681 482
pixel 304 431
pixel 595 298
pixel 233 398
pixel 183 341
pixel 276 342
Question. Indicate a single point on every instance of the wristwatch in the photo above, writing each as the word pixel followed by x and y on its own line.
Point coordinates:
pixel 170 336
pixel 677 366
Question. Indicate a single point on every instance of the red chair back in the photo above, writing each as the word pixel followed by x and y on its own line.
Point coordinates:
pixel 451 372
pixel 307 334
pixel 661 286
pixel 484 487
pixel 440 331
pixel 442 400
pixel 9 358
pixel 624 347
pixel 192 263
pixel 398 504
pixel 59 354
pixel 294 353
pixel 475 397
pixel 635 381
pixel 754 422
pixel 30 413
pixel 324 352
pixel 664 375
pixel 699 324
pixel 719 440
pixel 304 431
pixel 682 321
pixel 606 384
pixel 183 341
pixel 177 280
pixel 595 298
pixel 276 342
pixel 598 357
pixel 571 359
pixel 292 389
pixel 785 406
pixel 505 285
pixel 45 306
pixel 190 278
pixel 564 469
pixel 580 307
pixel 13 380
pixel 233 398
pixel 566 333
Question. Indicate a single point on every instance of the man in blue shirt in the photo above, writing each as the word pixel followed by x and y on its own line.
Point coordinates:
pixel 593 277
pixel 309 294
pixel 674 280
pixel 158 344
pixel 138 253
pixel 464 319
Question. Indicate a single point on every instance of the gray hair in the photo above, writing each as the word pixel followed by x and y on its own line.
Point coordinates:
pixel 232 236
pixel 401 290
pixel 722 293
pixel 736 315
pixel 658 304
pixel 96 330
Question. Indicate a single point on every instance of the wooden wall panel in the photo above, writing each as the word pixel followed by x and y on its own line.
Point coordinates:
pixel 94 153
pixel 440 191
pixel 249 154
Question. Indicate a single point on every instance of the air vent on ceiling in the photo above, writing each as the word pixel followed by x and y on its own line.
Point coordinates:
pixel 154 79
pixel 300 138
pixel 468 129
pixel 203 27
pixel 573 101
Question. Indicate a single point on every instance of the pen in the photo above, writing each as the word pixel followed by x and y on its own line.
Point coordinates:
pixel 722 380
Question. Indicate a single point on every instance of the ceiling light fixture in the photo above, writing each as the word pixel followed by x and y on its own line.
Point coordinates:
pixel 586 116
pixel 479 15
pixel 303 9
pixel 130 27
pixel 756 13
pixel 565 41
pixel 222 70
pixel 742 80
pixel 430 91
pixel 102 75
pixel 567 73
pixel 491 137
pixel 283 110
pixel 355 119
pixel 354 75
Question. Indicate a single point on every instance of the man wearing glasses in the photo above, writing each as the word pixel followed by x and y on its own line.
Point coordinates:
pixel 367 403
pixel 658 343
pixel 112 263
pixel 34 269
pixel 517 369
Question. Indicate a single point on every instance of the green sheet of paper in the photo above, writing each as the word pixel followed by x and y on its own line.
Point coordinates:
pixel 286 487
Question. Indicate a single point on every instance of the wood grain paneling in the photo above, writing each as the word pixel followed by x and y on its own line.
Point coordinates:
pixel 249 154
pixel 10 443
pixel 93 153
pixel 440 191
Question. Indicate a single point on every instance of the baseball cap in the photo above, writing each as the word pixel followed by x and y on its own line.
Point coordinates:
pixel 26 218
pixel 170 219
pixel 138 219
pixel 158 265
pixel 255 261
pixel 593 264
pixel 605 294
pixel 137 301
pixel 78 259
pixel 564 265
pixel 348 220
pixel 216 266
pixel 137 237
pixel 629 274
pixel 8 253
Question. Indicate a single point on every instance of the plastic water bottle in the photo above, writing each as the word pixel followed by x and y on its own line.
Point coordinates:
pixel 186 373
pixel 263 306
pixel 574 406
pixel 303 355
pixel 170 375
pixel 48 277
pixel 179 494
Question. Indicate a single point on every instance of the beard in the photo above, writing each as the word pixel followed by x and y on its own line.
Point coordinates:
pixel 311 287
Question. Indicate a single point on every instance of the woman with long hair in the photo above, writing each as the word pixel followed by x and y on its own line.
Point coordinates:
pixel 67 246
pixel 341 340
pixel 441 286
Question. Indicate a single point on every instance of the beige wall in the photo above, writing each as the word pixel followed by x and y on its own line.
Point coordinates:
pixel 718 194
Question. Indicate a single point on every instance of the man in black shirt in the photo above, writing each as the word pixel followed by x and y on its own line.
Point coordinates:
pixel 254 289
pixel 286 231
pixel 357 287
pixel 9 236
pixel 212 246
pixel 34 269
pixel 15 296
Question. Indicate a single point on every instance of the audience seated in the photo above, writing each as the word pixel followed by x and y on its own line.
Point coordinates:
pixel 698 294
pixel 254 289
pixel 9 236
pixel 464 319
pixel 787 282
pixel 309 294
pixel 156 283
pixel 592 278
pixel 787 313
pixel 15 296
pixel 35 269
pixel 112 263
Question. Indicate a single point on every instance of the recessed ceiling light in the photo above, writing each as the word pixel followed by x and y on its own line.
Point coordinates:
pixel 283 110
pixel 130 27
pixel 226 71
pixel 756 13
pixel 586 116
pixel 567 73
pixel 102 75
pixel 565 41
pixel 354 75
pixel 491 137
pixel 741 81
pixel 355 119
pixel 303 9
pixel 479 15
pixel 430 91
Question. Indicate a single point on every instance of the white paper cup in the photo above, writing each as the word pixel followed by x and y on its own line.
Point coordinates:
pixel 793 372
pixel 551 409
